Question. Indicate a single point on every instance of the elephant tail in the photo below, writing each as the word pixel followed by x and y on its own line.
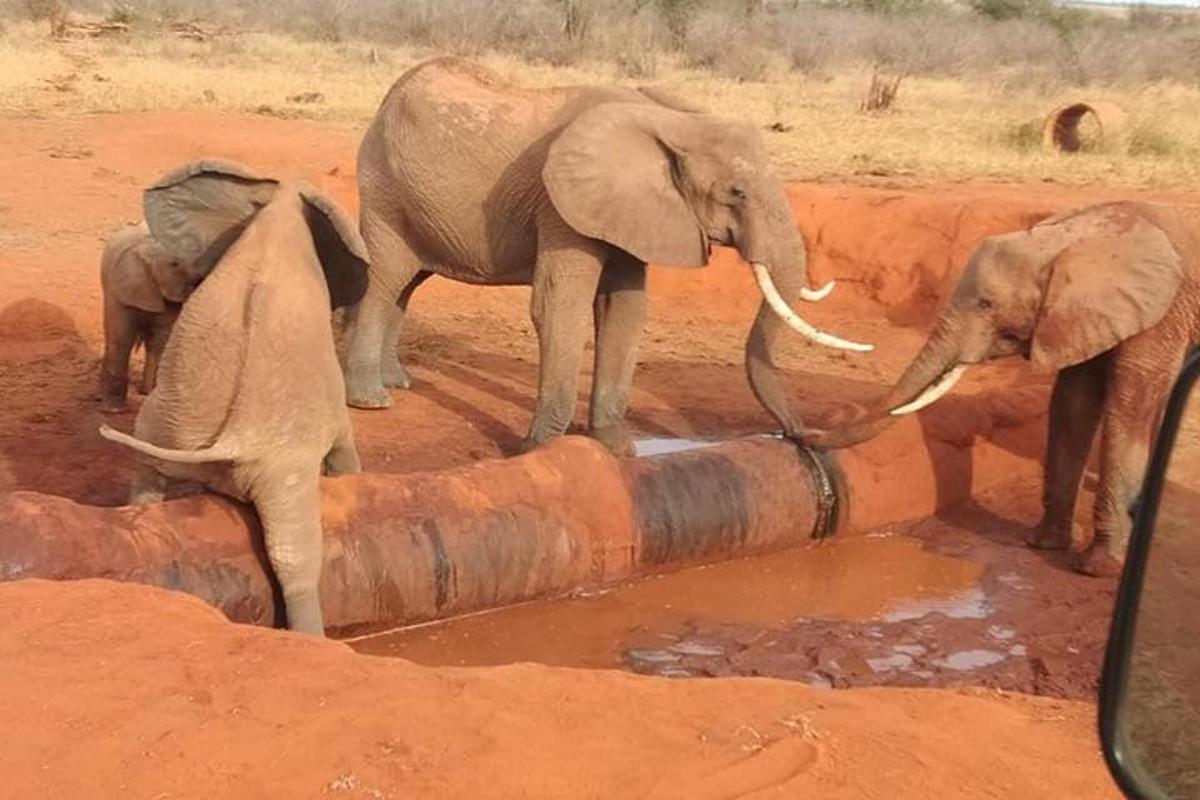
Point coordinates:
pixel 221 450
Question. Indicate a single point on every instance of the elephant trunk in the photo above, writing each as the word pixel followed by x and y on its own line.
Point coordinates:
pixel 775 317
pixel 776 253
pixel 932 373
pixel 761 370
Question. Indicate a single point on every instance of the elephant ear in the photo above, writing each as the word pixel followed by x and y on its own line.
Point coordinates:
pixel 200 209
pixel 1103 289
pixel 612 175
pixel 667 99
pixel 340 249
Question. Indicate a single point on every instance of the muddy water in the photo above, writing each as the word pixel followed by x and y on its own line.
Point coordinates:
pixel 660 447
pixel 647 621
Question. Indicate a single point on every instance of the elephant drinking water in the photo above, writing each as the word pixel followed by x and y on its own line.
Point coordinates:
pixel 1109 297
pixel 571 190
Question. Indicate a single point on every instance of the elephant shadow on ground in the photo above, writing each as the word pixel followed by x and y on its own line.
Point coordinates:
pixel 672 397
pixel 48 436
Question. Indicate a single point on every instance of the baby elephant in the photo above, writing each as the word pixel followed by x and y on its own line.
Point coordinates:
pixel 143 286
pixel 1108 297
pixel 249 399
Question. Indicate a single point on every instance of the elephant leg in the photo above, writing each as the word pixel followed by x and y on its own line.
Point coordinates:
pixel 564 288
pixel 394 374
pixel 1075 406
pixel 148 485
pixel 393 267
pixel 620 315
pixel 121 332
pixel 343 456
pixel 156 342
pixel 1133 409
pixel 288 501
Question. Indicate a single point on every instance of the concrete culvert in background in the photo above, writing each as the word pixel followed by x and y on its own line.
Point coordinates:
pixel 1077 127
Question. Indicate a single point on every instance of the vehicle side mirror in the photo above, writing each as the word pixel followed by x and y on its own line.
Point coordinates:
pixel 1150 690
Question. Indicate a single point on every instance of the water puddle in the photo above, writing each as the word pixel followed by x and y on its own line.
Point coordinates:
pixel 648 621
pixel 660 447
pixel 969 604
pixel 965 660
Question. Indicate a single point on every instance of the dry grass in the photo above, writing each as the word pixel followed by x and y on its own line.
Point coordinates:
pixel 975 126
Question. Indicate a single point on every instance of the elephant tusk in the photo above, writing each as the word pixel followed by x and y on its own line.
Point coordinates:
pixel 816 295
pixel 933 392
pixel 793 320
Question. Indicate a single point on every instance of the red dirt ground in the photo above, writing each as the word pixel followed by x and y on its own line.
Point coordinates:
pixel 158 697
pixel 472 352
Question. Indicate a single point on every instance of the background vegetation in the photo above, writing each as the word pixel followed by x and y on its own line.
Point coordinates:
pixel 977 77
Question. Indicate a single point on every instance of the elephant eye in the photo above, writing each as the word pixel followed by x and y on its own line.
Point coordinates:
pixel 985 304
pixel 738 192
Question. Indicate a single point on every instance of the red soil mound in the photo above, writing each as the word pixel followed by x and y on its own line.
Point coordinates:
pixel 114 690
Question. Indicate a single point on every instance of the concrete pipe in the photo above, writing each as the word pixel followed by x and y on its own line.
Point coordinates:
pixel 1062 131
pixel 402 549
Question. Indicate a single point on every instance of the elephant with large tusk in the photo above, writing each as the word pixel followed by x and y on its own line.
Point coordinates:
pixel 572 190
pixel 1107 296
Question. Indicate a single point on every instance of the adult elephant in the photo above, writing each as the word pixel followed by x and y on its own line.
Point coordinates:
pixel 573 190
pixel 1109 296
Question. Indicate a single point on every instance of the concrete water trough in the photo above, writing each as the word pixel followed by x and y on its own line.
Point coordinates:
pixel 402 549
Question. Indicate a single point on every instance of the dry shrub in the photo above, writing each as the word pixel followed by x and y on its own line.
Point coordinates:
pixel 634 45
pixel 39 10
pixel 740 39
pixel 882 91
pixel 727 48
pixel 1025 137
pixel 1147 139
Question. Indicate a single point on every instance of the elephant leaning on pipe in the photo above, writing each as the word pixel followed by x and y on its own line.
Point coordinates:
pixel 1109 296
pixel 572 190
pixel 143 286
pixel 250 400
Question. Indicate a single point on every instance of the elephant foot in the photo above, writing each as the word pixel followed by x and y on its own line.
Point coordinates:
pixel 617 439
pixel 529 444
pixel 372 398
pixel 113 405
pixel 395 376
pixel 1098 562
pixel 146 491
pixel 1045 537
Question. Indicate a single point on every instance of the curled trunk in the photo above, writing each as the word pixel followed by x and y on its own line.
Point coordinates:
pixel 781 272
pixel 761 370
pixel 938 357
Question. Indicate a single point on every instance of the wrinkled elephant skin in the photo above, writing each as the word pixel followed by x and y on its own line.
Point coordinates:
pixel 571 190
pixel 250 401
pixel 1108 297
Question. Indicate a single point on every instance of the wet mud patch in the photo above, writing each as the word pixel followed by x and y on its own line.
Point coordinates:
pixel 951 601
pixel 1029 624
